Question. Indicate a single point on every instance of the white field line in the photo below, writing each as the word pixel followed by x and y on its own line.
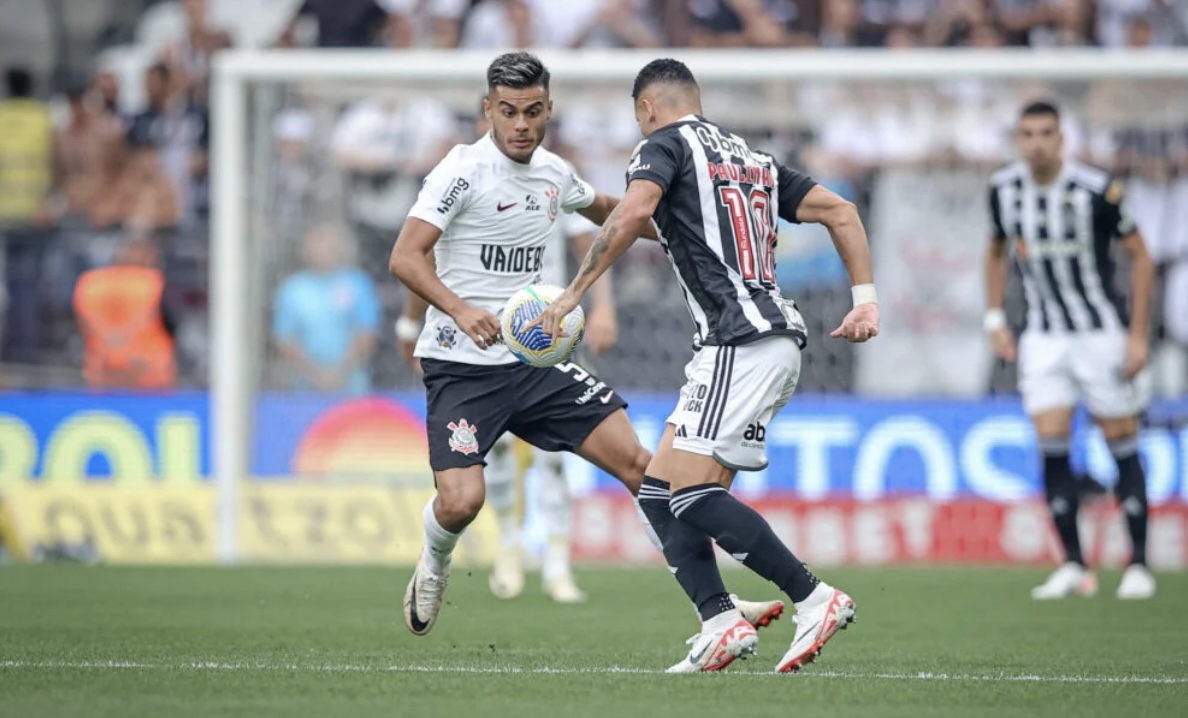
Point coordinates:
pixel 513 670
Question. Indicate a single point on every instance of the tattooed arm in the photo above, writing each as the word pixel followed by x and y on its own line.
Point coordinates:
pixel 629 219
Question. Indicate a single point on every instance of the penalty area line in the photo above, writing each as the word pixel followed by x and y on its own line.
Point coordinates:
pixel 214 666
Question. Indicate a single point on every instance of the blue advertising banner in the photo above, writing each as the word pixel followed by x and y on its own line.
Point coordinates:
pixel 818 447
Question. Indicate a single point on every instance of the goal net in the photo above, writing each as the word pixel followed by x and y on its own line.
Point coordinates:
pixel 318 156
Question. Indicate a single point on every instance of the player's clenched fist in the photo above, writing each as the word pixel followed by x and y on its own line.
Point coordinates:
pixel 480 325
pixel 861 324
pixel 1003 343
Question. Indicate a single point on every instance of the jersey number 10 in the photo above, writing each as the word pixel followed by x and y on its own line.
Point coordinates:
pixel 753 229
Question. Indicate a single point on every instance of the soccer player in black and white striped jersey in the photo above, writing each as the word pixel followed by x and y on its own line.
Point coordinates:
pixel 715 203
pixel 1080 343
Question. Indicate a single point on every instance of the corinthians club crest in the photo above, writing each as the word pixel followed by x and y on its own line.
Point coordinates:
pixel 554 197
pixel 463 439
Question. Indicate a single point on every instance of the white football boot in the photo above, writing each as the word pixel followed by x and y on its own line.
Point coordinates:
pixel 759 613
pixel 563 589
pixel 818 617
pixel 1068 580
pixel 507 576
pixel 722 639
pixel 1137 583
pixel 422 599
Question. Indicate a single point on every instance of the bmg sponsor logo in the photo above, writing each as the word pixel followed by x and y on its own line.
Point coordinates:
pixel 452 195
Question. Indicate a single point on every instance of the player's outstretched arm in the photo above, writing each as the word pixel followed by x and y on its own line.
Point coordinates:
pixel 602 326
pixel 410 263
pixel 840 217
pixel 1142 281
pixel 630 218
pixel 600 211
pixel 996 278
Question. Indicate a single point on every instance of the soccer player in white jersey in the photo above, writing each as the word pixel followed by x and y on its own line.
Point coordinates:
pixel 1079 345
pixel 503 472
pixel 715 202
pixel 486 213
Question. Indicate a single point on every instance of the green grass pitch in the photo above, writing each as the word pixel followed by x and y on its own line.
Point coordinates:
pixel 329 642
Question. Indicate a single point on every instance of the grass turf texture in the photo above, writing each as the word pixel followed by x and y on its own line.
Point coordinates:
pixel 330 642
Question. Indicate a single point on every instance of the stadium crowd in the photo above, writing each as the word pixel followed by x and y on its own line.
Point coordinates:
pixel 104 200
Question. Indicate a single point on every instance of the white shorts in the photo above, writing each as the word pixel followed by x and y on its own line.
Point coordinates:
pixel 1060 370
pixel 730 396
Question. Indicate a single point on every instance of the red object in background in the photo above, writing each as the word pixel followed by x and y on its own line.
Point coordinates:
pixel 902 531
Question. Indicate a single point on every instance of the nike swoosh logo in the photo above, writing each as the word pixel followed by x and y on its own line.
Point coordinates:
pixel 605 399
pixel 418 625
pixel 501 207
pixel 809 630
pixel 695 658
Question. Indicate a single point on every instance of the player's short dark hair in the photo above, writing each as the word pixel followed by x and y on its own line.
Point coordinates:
pixel 18 82
pixel 517 70
pixel 1039 109
pixel 663 70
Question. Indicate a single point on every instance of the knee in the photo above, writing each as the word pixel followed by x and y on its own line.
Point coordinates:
pixel 459 504
pixel 1120 431
pixel 635 465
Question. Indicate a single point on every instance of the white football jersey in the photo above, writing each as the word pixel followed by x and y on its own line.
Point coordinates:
pixel 496 217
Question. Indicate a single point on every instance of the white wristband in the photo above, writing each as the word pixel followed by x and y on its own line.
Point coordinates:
pixel 864 294
pixel 407 329
pixel 995 320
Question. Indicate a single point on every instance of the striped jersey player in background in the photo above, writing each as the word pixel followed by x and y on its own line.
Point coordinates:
pixel 1080 343
pixel 715 203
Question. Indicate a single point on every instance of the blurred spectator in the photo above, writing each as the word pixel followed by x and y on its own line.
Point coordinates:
pixel 189 58
pixel 1167 21
pixel 143 197
pixel 388 147
pixel 26 175
pixel 294 196
pixel 881 17
pixel 1072 25
pixel 340 23
pixel 1021 19
pixel 425 23
pixel 954 23
pixel 126 326
pixel 499 25
pixel 613 23
pixel 755 23
pixel 89 151
pixel 839 23
pixel 326 318
pixel 180 132
pixel 107 87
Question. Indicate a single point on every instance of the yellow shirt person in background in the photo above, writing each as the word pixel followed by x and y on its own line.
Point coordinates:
pixel 26 154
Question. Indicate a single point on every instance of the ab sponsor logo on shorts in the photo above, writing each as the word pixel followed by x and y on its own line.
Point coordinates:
pixel 755 436
pixel 463 439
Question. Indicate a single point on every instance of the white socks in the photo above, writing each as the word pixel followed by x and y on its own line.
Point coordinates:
pixel 439 543
pixel 820 594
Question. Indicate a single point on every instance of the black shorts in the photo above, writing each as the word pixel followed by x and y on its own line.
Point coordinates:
pixel 471 406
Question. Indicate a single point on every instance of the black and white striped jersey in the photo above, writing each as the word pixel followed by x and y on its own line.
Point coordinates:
pixel 718 222
pixel 1063 234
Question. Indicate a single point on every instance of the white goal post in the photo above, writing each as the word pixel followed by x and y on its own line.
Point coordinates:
pixel 236 71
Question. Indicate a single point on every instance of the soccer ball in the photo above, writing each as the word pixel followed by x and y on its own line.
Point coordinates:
pixel 533 346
